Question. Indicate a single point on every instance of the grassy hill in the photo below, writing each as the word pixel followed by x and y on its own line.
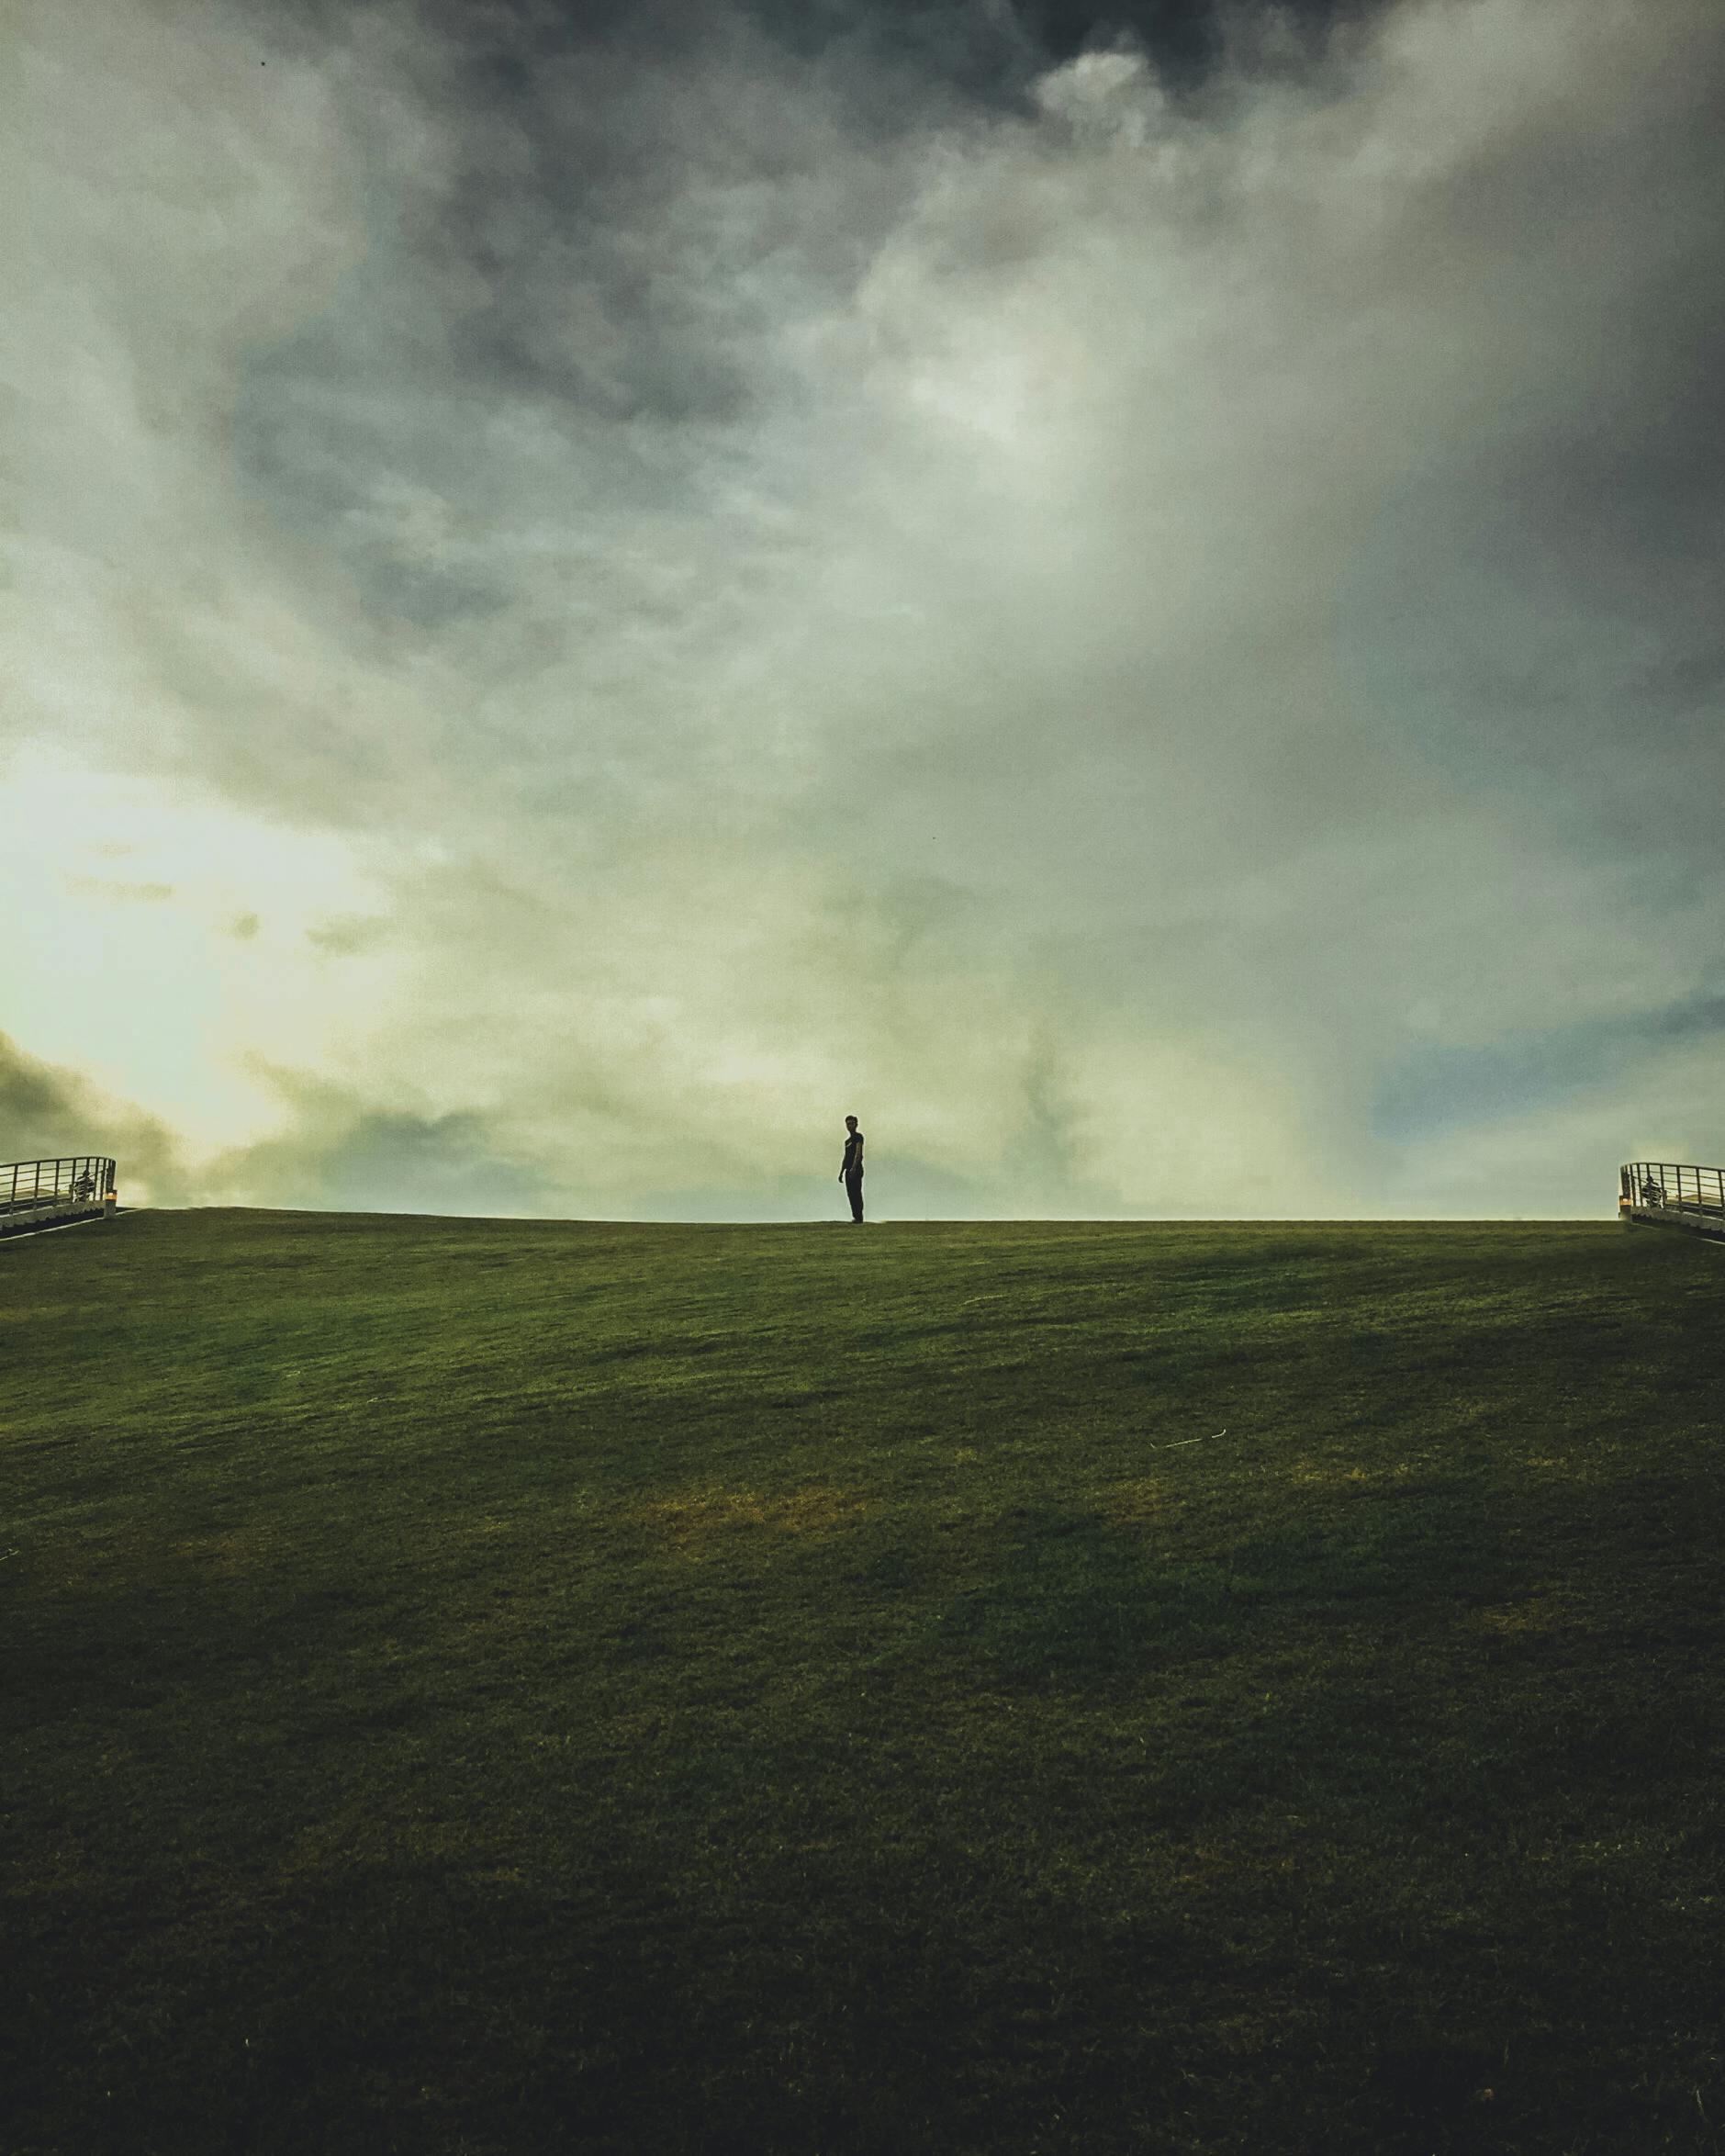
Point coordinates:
pixel 500 1688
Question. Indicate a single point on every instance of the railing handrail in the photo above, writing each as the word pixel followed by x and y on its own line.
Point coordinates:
pixel 87 1177
pixel 51 1159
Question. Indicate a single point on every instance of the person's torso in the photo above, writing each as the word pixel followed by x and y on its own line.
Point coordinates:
pixel 853 1153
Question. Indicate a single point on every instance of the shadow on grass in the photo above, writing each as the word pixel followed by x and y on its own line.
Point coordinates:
pixel 1073 1595
pixel 418 2007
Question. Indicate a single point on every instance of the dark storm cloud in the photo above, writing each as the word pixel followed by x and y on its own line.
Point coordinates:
pixel 600 250
pixel 625 201
pixel 987 51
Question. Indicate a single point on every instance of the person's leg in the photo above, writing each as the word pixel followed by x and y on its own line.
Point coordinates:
pixel 852 1188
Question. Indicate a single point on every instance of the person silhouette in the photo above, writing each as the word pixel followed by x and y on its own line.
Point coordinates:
pixel 851 1173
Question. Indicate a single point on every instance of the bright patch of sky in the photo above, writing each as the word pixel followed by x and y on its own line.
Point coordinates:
pixel 172 939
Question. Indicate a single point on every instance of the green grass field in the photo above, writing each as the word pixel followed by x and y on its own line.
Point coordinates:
pixel 506 1688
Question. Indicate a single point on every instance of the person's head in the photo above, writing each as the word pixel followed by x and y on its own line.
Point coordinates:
pixel 850 1122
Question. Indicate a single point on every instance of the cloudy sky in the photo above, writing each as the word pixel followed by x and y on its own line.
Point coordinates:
pixel 1132 596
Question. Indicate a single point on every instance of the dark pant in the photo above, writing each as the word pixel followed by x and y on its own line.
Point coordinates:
pixel 853 1190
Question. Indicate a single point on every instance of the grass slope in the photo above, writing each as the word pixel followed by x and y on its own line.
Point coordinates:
pixel 502 1688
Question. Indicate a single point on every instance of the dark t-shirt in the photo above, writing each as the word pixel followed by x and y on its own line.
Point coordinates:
pixel 853 1153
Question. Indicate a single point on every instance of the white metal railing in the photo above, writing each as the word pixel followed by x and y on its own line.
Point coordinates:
pixel 71 1186
pixel 1656 1186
